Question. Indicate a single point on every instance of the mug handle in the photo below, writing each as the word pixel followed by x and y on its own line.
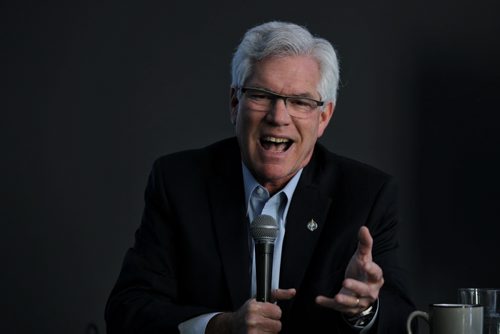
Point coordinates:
pixel 412 316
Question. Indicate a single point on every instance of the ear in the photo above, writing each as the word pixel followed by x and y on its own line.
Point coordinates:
pixel 233 104
pixel 324 117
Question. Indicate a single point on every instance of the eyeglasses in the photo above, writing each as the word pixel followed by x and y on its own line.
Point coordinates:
pixel 262 100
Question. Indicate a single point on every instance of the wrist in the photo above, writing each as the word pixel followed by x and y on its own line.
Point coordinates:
pixel 363 318
pixel 219 324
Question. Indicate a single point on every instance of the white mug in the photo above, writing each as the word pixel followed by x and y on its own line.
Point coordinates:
pixel 451 319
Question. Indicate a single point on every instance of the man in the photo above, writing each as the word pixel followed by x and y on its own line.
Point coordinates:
pixel 192 267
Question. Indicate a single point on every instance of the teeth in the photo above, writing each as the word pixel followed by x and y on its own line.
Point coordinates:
pixel 276 140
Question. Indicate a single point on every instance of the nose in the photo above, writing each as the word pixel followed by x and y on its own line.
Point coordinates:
pixel 278 113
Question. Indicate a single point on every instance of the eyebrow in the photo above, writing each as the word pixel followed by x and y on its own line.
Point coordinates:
pixel 306 95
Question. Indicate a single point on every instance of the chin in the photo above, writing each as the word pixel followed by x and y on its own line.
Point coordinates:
pixel 273 175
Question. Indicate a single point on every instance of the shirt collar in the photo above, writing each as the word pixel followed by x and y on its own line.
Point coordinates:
pixel 250 184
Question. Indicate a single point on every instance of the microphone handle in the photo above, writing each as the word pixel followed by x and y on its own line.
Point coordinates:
pixel 264 269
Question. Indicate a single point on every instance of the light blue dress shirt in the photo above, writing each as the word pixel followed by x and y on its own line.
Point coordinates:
pixel 259 202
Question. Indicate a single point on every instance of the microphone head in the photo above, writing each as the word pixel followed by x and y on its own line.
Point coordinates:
pixel 264 228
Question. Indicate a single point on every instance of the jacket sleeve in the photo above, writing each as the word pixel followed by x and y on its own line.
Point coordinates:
pixel 145 296
pixel 394 302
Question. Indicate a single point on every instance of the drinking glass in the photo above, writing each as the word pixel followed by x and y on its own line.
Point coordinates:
pixel 489 298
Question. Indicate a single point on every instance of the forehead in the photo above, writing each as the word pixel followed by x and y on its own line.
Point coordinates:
pixel 289 74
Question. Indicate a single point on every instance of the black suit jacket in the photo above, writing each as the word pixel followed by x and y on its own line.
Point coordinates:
pixel 191 253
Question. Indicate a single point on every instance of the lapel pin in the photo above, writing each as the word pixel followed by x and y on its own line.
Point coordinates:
pixel 311 226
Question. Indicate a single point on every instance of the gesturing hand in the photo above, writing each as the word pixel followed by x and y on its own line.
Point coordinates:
pixel 363 280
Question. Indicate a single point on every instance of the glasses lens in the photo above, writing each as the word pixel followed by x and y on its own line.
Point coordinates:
pixel 301 106
pixel 258 98
pixel 296 106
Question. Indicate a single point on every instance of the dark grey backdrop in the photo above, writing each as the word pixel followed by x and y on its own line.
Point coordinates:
pixel 92 92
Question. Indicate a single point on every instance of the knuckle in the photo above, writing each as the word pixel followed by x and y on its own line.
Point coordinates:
pixel 278 326
pixel 251 320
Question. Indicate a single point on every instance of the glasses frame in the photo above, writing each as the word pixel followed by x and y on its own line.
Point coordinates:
pixel 274 97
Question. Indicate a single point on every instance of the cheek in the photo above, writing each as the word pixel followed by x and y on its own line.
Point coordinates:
pixel 311 131
pixel 247 122
pixel 243 127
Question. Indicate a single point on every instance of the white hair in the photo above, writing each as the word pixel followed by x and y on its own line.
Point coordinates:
pixel 286 39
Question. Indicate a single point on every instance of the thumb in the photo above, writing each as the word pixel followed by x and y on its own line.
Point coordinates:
pixel 365 243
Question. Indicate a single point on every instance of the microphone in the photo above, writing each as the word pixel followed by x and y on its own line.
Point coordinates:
pixel 264 230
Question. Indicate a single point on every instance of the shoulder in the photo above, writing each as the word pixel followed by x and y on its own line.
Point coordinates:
pixel 199 158
pixel 330 170
pixel 346 166
pixel 189 171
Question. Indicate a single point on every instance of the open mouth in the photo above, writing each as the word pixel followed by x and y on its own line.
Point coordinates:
pixel 276 144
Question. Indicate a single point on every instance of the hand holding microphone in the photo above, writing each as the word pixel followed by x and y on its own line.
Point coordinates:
pixel 259 314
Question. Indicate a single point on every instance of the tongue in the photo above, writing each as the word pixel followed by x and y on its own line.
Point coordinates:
pixel 278 147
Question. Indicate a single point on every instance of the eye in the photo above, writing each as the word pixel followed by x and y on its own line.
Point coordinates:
pixel 300 102
pixel 258 96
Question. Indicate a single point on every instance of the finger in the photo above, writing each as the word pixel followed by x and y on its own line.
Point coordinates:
pixel 373 272
pixel 263 318
pixel 327 302
pixel 367 292
pixel 354 287
pixel 343 303
pixel 283 294
pixel 270 311
pixel 349 302
pixel 365 242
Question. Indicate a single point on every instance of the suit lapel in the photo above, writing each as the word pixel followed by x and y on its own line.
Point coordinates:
pixel 300 241
pixel 309 205
pixel 226 194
